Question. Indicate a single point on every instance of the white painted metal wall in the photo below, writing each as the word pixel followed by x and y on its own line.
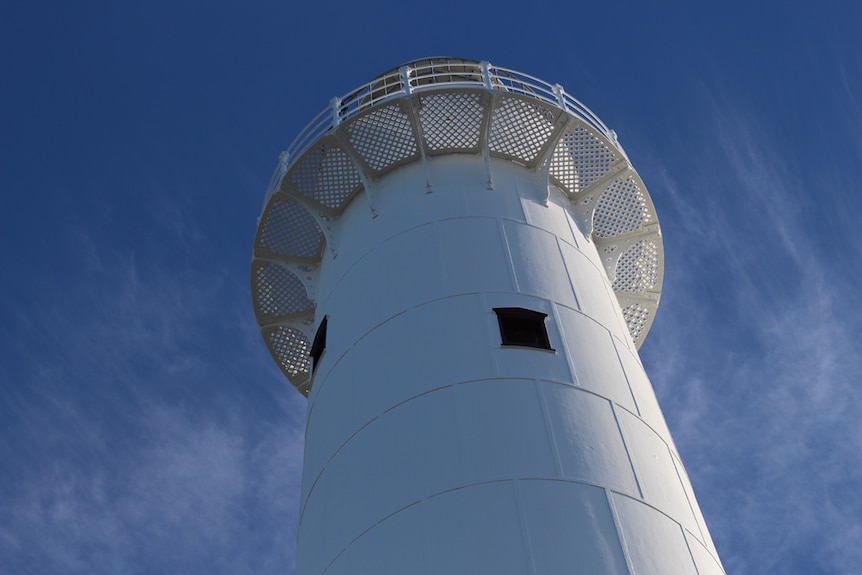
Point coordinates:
pixel 405 213
pixel 431 448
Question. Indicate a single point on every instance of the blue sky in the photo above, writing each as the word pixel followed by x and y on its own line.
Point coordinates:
pixel 144 427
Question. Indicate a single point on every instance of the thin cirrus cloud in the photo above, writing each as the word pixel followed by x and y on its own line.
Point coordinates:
pixel 137 450
pixel 194 495
pixel 760 388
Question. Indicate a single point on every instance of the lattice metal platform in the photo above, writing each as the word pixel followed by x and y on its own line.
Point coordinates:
pixel 434 107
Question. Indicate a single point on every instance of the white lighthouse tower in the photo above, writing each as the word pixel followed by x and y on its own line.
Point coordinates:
pixel 456 264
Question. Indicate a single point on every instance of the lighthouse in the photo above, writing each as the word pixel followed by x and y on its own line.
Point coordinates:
pixel 456 264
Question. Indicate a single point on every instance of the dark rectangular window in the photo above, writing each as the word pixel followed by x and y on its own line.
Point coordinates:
pixel 523 327
pixel 319 344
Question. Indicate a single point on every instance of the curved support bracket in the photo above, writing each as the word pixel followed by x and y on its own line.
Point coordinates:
pixel 610 249
pixel 542 164
pixel 418 135
pixel 561 124
pixel 324 217
pixel 586 200
pixel 484 135
pixel 302 321
pixel 305 269
pixel 344 144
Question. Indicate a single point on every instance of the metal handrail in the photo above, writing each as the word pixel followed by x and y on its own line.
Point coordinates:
pixel 429 75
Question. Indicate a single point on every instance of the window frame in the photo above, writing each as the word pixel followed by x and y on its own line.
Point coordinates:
pixel 513 320
pixel 318 344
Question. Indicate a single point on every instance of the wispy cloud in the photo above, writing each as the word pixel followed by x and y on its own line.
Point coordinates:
pixel 194 493
pixel 755 357
pixel 147 434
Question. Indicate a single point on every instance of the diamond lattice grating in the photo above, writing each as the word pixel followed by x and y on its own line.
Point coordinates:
pixel 326 175
pixel 290 347
pixel 384 133
pixel 637 317
pixel 278 292
pixel 622 209
pixel 451 121
pixel 383 137
pixel 287 229
pixel 520 129
pixel 637 268
pixel 580 158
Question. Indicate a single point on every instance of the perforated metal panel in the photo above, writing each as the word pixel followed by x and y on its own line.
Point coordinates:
pixel 622 209
pixel 327 175
pixel 580 158
pixel 287 229
pixel 520 128
pixel 638 267
pixel 277 292
pixel 289 347
pixel 451 121
pixel 383 137
pixel 637 316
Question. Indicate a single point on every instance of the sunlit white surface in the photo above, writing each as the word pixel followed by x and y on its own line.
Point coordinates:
pixel 432 447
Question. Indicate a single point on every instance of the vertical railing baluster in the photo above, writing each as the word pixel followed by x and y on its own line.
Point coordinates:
pixel 486 74
pixel 559 92
pixel 405 78
pixel 335 104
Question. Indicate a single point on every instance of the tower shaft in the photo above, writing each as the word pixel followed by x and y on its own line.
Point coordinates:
pixel 432 447
pixel 456 264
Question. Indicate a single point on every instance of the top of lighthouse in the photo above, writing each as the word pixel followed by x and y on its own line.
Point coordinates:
pixel 433 107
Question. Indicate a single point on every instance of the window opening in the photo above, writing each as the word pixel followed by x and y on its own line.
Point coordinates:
pixel 523 327
pixel 319 344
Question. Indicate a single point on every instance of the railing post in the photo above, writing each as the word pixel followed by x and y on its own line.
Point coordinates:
pixel 405 78
pixel 560 93
pixel 280 171
pixel 335 103
pixel 486 74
